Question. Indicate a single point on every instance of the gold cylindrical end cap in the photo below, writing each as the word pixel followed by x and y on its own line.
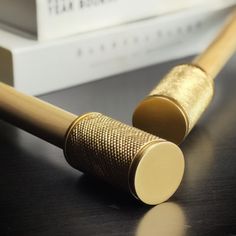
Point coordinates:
pixel 162 117
pixel 156 172
pixel 175 105
pixel 128 158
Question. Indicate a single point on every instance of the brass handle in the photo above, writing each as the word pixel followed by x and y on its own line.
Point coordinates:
pixel 174 106
pixel 148 167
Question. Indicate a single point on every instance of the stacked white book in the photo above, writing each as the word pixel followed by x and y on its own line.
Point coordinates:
pixel 47 45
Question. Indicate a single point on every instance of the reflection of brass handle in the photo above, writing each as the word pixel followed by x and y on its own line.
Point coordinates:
pixel 149 167
pixel 175 105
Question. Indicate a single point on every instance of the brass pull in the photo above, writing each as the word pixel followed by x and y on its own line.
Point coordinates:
pixel 148 167
pixel 174 106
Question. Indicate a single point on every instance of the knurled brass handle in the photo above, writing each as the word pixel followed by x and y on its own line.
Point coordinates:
pixel 148 167
pixel 174 106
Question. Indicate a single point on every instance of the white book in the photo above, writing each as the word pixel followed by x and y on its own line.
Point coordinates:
pixel 39 67
pixel 48 19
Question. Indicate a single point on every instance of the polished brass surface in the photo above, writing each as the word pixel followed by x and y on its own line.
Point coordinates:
pixel 160 115
pixel 120 154
pixel 175 105
pixel 147 166
pixel 220 50
pixel 40 192
pixel 34 115
pixel 156 172
pixel 172 109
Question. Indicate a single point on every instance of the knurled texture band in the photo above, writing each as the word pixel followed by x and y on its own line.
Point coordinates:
pixel 190 87
pixel 104 147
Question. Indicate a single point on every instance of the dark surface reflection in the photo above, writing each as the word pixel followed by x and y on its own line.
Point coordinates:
pixel 209 186
pixel 167 219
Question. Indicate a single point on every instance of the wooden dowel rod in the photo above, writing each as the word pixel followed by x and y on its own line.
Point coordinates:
pixel 220 50
pixel 35 116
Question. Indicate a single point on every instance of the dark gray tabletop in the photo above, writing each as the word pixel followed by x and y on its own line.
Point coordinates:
pixel 40 194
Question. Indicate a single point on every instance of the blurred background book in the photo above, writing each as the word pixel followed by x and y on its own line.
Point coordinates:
pixel 47 45
pixel 48 19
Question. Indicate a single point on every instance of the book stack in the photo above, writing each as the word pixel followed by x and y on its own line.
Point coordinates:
pixel 47 45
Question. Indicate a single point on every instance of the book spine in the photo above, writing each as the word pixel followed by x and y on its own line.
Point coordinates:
pixel 50 19
pixel 48 66
pixel 62 18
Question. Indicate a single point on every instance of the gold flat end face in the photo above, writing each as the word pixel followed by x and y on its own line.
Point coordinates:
pixel 162 117
pixel 156 172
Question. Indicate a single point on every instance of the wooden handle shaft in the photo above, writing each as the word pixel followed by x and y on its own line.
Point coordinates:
pixel 35 116
pixel 220 50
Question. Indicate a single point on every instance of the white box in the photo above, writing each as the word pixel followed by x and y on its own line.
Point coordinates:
pixel 50 19
pixel 39 67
